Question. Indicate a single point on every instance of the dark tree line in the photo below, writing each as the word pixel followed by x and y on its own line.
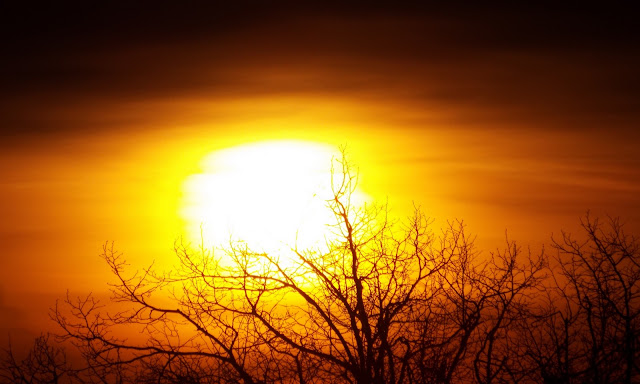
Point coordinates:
pixel 384 302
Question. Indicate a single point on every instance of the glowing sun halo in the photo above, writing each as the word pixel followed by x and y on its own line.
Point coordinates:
pixel 271 195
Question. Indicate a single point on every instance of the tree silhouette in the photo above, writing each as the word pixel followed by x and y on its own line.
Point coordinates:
pixel 44 363
pixel 384 302
pixel 587 328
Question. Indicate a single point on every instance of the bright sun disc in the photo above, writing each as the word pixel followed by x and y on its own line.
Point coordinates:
pixel 270 195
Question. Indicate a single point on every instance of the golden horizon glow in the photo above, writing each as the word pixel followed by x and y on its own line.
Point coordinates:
pixel 270 195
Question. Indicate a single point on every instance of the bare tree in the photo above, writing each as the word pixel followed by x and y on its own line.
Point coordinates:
pixel 549 339
pixel 383 302
pixel 588 327
pixel 509 290
pixel 602 284
pixel 470 336
pixel 44 363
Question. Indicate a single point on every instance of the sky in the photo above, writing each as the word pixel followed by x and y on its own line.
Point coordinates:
pixel 515 118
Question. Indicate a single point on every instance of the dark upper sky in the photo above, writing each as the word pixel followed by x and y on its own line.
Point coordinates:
pixel 568 66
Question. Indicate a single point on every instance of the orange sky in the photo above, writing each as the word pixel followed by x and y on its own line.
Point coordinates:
pixel 509 118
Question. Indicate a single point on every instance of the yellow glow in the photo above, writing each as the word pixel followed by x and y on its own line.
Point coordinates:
pixel 272 195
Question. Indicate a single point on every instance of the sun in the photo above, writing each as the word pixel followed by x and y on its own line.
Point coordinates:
pixel 271 195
